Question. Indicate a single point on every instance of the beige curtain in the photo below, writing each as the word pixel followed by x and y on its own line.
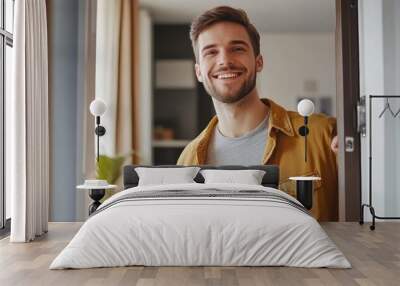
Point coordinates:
pixel 115 74
pixel 28 124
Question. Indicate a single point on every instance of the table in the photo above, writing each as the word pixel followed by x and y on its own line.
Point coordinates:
pixel 304 189
pixel 96 193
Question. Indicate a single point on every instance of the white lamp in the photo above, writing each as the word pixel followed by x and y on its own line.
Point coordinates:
pixel 305 108
pixel 98 108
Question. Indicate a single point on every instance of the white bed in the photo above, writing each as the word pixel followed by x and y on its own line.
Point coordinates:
pixel 241 228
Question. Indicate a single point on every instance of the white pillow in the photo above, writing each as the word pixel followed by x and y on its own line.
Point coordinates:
pixel 248 177
pixel 162 176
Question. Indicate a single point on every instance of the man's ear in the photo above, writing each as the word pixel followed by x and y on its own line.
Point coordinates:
pixel 259 63
pixel 198 72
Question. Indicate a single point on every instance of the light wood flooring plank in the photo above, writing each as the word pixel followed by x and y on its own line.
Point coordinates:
pixel 374 255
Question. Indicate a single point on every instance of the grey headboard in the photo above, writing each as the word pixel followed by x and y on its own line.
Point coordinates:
pixel 270 179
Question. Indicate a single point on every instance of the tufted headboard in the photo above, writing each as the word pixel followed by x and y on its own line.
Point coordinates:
pixel 270 179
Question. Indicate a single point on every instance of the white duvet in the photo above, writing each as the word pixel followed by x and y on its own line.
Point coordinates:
pixel 200 231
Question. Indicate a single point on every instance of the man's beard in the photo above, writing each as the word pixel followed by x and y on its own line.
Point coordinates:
pixel 244 90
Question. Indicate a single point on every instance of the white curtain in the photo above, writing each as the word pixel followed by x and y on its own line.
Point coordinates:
pixel 28 148
pixel 114 74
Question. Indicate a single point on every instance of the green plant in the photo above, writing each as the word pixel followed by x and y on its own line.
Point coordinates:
pixel 109 169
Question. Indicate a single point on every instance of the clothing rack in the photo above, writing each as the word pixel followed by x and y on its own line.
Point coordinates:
pixel 394 114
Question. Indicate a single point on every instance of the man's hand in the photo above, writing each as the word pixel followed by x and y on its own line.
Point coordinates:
pixel 335 144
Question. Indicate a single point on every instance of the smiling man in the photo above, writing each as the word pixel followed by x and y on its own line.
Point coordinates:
pixel 248 130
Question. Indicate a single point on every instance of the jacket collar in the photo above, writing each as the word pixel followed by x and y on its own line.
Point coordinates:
pixel 279 117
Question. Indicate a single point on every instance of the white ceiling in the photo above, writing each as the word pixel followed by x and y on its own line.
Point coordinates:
pixel 267 15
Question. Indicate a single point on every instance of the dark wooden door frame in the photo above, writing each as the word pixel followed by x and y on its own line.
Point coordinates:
pixel 347 96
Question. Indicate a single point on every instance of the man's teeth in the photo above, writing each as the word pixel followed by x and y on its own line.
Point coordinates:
pixel 228 75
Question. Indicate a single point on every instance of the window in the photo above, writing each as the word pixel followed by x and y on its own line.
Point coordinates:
pixel 6 62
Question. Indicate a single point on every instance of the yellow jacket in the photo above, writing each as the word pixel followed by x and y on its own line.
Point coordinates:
pixel 285 147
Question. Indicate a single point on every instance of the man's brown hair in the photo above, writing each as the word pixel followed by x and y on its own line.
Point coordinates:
pixel 223 14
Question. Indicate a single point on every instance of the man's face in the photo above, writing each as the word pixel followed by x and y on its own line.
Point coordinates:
pixel 226 65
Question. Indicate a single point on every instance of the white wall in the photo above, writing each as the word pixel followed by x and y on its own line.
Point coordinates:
pixel 298 65
pixel 391 58
pixel 63 86
pixel 379 29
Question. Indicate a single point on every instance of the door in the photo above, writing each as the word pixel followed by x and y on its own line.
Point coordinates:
pixel 348 91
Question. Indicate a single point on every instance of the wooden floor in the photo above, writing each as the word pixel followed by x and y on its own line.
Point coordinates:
pixel 374 255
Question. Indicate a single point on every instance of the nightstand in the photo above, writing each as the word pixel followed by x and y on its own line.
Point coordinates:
pixel 97 190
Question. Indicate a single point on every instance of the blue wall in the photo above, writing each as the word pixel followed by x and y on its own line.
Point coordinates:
pixel 63 59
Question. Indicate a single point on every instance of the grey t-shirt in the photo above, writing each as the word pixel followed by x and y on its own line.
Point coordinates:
pixel 245 150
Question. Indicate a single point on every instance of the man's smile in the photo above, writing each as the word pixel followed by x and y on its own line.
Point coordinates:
pixel 227 75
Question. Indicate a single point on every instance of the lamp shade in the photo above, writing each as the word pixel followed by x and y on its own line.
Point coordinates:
pixel 305 107
pixel 97 107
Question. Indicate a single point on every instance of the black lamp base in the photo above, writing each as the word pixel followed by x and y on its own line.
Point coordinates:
pixel 100 130
pixel 304 189
pixel 96 195
pixel 303 130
